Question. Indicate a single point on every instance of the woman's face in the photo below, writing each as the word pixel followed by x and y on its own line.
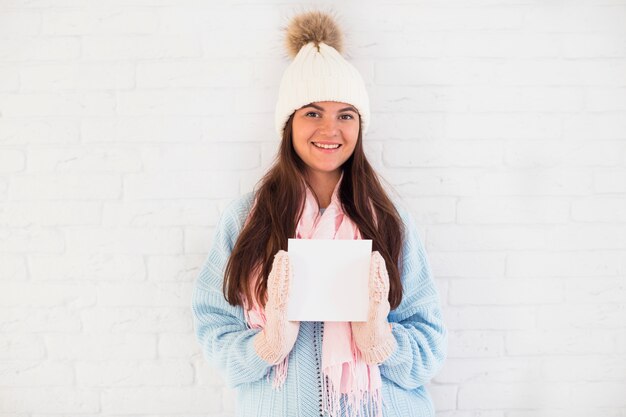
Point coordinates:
pixel 325 134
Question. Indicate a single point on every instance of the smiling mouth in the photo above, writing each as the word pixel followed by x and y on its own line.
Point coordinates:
pixel 326 146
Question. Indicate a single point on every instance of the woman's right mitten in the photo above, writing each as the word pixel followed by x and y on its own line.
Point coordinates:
pixel 278 336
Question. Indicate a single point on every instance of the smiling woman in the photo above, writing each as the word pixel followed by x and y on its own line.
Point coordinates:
pixel 324 137
pixel 321 186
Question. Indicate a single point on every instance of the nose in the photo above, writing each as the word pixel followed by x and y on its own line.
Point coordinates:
pixel 329 127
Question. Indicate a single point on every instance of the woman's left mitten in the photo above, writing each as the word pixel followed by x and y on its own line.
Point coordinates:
pixel 374 337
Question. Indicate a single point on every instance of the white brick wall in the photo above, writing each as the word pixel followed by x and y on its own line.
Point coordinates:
pixel 127 125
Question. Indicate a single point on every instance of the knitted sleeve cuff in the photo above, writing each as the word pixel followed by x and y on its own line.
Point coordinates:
pixel 267 351
pixel 378 353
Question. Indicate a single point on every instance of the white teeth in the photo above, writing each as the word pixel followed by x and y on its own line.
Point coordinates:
pixel 320 145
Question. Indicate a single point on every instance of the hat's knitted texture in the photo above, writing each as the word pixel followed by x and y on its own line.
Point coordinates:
pixel 318 71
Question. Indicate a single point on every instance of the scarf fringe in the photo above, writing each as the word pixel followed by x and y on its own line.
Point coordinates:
pixel 280 373
pixel 358 403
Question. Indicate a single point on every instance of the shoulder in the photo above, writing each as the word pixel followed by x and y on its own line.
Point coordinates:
pixel 233 216
pixel 405 215
pixel 237 209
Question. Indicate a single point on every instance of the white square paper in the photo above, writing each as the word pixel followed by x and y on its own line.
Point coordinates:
pixel 329 280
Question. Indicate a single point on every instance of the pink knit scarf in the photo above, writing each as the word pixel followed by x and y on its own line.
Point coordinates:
pixel 344 373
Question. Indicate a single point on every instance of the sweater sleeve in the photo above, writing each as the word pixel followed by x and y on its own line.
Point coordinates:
pixel 417 323
pixel 221 329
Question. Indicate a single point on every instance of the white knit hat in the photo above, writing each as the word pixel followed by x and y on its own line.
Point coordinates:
pixel 318 71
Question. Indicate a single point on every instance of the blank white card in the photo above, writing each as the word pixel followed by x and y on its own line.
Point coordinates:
pixel 329 280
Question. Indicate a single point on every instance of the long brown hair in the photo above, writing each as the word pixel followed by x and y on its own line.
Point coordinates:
pixel 278 207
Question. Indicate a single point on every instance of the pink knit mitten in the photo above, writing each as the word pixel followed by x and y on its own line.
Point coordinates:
pixel 373 337
pixel 278 336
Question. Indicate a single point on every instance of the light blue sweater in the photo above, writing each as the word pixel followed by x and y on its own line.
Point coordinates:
pixel 227 342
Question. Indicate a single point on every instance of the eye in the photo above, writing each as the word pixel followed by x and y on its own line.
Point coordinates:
pixel 349 116
pixel 311 112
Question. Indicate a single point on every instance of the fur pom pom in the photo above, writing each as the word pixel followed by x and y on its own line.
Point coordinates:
pixel 313 26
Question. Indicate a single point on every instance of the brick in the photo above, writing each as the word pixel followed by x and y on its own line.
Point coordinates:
pixel 609 180
pixel 39 49
pixel 433 210
pixel 74 76
pixel 87 159
pixel 505 291
pixel 65 186
pixel 137 320
pixel 125 373
pixel 183 345
pixel 254 128
pixel 595 290
pixel 491 318
pixel 528 98
pixel 463 371
pixel 97 267
pixel 29 373
pixel 599 209
pixel 512 210
pixel 214 156
pixel 519 395
pixel 561 342
pixel 414 183
pixel 475 344
pixel 584 368
pixel 49 400
pixel 179 212
pixel 9 78
pixel 207 375
pixel 34 130
pixel 496 237
pixel 556 72
pixel 31 239
pixel 605 98
pixel 157 400
pixel 438 154
pixel 500 44
pixel 518 126
pixel 49 319
pixel 599 394
pixel 139 47
pixel 174 268
pixel 16 346
pixel 131 241
pixel 66 103
pixel 482 264
pixel 174 185
pixel 535 181
pixel 53 213
pixel 13 267
pixel 443 397
pixel 564 264
pixel 568 412
pixel 89 21
pixel 595 125
pixel 575 18
pixel 141 129
pixel 101 346
pixel 588 316
pixel 592 45
pixel 145 294
pixel 411 71
pixel 20 24
pixel 37 294
pixel 556 153
pixel 198 241
pixel 213 73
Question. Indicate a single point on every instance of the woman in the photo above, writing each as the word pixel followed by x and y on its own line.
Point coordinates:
pixel 321 186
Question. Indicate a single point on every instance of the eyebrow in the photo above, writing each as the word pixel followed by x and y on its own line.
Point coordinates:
pixel 315 106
